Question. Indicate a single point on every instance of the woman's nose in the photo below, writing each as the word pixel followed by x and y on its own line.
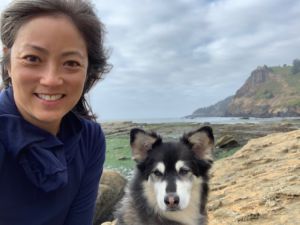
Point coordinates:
pixel 51 77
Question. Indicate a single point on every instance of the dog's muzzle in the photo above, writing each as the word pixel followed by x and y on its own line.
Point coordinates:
pixel 172 201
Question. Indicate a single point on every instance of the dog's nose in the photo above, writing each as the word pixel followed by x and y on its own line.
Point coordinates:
pixel 172 200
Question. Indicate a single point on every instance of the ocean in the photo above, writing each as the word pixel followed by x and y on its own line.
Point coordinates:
pixel 210 120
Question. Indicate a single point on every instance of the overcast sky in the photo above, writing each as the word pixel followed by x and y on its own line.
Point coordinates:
pixel 171 57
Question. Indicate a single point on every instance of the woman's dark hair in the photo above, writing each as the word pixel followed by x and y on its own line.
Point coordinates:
pixel 82 15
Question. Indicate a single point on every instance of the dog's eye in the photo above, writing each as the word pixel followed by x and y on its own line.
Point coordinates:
pixel 157 173
pixel 183 171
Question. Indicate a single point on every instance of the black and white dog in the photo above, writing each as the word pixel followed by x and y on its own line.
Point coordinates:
pixel 170 185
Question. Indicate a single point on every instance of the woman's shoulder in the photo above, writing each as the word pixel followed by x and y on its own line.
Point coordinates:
pixel 92 131
pixel 91 126
pixel 93 139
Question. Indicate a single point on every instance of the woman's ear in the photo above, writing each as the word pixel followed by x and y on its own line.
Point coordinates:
pixel 5 50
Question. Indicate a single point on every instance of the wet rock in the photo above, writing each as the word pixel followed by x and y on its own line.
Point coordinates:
pixel 248 217
pixel 111 190
pixel 226 141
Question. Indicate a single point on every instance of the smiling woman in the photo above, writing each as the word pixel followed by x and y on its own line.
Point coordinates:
pixel 47 76
pixel 51 150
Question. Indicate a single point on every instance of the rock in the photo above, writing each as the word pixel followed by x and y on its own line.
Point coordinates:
pixel 248 217
pixel 124 158
pixel 259 184
pixel 226 141
pixel 214 205
pixel 114 128
pixel 218 109
pixel 111 190
pixel 262 177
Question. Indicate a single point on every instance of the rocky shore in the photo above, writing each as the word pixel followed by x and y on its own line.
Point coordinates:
pixel 259 184
pixel 241 132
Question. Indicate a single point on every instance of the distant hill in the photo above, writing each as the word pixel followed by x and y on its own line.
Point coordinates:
pixel 268 92
pixel 218 109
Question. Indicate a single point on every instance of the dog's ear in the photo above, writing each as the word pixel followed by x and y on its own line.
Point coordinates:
pixel 201 142
pixel 141 142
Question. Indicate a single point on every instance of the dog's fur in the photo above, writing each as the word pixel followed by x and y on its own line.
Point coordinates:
pixel 170 185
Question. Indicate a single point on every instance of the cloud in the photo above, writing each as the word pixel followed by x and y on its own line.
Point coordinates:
pixel 171 57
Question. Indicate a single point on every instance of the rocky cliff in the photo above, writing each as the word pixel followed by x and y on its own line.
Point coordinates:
pixel 218 109
pixel 258 185
pixel 268 92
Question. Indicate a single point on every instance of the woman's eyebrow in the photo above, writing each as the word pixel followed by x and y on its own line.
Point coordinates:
pixel 36 47
pixel 73 53
pixel 64 54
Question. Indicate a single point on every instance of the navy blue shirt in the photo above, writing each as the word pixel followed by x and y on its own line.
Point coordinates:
pixel 46 179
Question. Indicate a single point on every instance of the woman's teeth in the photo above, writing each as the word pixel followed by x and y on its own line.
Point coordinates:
pixel 49 97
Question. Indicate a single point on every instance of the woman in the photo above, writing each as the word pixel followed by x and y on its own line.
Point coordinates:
pixel 51 149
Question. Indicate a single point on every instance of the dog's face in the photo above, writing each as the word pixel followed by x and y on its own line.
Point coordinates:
pixel 172 172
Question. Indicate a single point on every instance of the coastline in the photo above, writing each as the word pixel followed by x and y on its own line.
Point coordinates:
pixel 210 120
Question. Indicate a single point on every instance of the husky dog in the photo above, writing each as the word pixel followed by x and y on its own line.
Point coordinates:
pixel 170 185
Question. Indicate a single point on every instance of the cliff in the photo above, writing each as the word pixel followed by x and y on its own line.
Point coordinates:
pixel 218 109
pixel 259 184
pixel 268 92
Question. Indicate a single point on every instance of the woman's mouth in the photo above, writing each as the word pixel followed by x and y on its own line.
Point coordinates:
pixel 50 97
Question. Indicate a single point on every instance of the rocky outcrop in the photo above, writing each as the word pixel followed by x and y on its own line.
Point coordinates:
pixel 257 77
pixel 259 185
pixel 111 190
pixel 218 109
pixel 268 92
pixel 226 141
pixel 112 128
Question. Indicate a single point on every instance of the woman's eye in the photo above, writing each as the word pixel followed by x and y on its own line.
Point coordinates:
pixel 72 64
pixel 32 59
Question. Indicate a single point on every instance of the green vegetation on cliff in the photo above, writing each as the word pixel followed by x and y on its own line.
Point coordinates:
pixel 268 92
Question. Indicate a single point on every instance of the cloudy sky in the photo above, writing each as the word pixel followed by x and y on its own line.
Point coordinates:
pixel 171 57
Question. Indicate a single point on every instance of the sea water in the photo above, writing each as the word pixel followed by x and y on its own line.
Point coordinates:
pixel 209 120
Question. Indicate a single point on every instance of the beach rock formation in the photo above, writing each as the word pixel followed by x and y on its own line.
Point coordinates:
pixel 259 184
pixel 226 141
pixel 218 110
pixel 268 92
pixel 111 190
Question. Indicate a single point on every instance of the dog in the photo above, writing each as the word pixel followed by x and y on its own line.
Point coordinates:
pixel 170 184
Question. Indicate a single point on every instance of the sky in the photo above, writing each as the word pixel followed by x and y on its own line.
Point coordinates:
pixel 172 57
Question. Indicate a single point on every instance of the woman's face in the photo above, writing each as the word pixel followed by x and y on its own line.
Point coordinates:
pixel 48 67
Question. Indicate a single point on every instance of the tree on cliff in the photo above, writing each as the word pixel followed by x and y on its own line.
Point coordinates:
pixel 296 66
